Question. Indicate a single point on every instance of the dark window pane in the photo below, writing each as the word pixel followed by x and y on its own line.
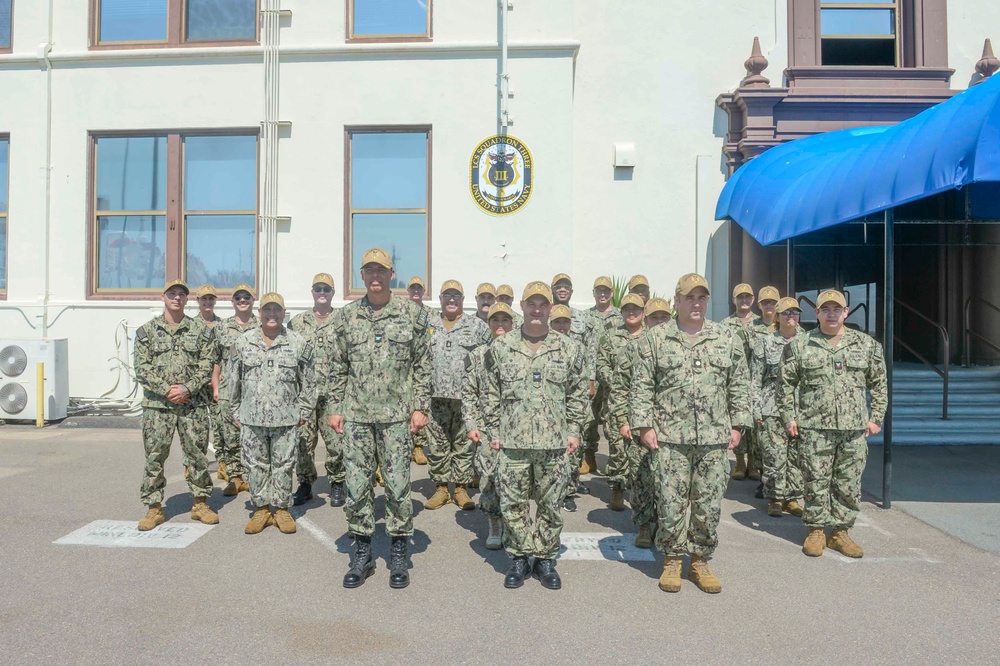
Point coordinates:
pixel 859 52
pixel 220 173
pixel 4 166
pixel 5 24
pixel 131 251
pixel 985 198
pixel 402 235
pixel 389 170
pixel 221 19
pixel 858 21
pixel 133 21
pixel 131 173
pixel 390 17
pixel 221 249
pixel 858 2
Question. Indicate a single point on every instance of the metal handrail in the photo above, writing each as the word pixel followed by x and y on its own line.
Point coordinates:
pixel 942 373
pixel 968 328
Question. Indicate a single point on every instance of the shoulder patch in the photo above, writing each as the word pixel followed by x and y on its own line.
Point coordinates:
pixel 141 333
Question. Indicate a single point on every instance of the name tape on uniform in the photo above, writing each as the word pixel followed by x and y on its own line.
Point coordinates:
pixel 602 546
pixel 126 534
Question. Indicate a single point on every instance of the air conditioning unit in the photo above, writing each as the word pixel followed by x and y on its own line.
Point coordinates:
pixel 19 383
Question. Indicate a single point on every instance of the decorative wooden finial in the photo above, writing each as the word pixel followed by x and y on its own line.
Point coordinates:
pixel 989 63
pixel 755 64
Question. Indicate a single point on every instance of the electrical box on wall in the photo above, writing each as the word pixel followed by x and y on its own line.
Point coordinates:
pixel 624 155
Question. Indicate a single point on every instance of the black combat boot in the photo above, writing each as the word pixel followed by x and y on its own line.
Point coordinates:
pixel 303 494
pixel 545 571
pixel 337 494
pixel 362 565
pixel 399 577
pixel 518 570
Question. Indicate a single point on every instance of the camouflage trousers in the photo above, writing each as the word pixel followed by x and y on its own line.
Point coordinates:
pixel 619 470
pixel 309 432
pixel 158 428
pixel 642 484
pixel 832 463
pixel 750 444
pixel 597 416
pixel 270 456
pixel 450 454
pixel 215 418
pixel 689 478
pixel 371 445
pixel 228 448
pixel 779 459
pixel 523 474
pixel 486 462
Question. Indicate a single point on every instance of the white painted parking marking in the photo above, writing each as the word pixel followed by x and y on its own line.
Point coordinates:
pixel 598 546
pixel 316 531
pixel 126 534
pixel 863 521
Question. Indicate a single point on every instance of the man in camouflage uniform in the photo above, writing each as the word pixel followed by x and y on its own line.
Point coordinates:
pixel 779 451
pixel 832 368
pixel 638 284
pixel 316 326
pixel 537 388
pixel 690 397
pixel 766 324
pixel 486 296
pixel 561 321
pixel 226 333
pixel 505 294
pixel 272 394
pixel 743 322
pixel 173 364
pixel 453 337
pixel 415 289
pixel 380 392
pixel 207 298
pixel 474 406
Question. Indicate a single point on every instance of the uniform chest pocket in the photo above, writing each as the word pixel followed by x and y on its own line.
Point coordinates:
pixel 557 372
pixel 772 355
pixel 161 348
pixel 191 348
pixel 252 363
pixel 359 342
pixel 511 381
pixel 721 361
pixel 399 339
pixel 856 361
pixel 813 369
pixel 285 366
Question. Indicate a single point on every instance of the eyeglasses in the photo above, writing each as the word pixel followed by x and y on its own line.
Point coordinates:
pixel 790 313
pixel 242 296
pixel 322 290
pixel 452 297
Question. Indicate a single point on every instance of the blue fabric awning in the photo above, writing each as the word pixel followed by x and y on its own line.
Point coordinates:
pixel 823 180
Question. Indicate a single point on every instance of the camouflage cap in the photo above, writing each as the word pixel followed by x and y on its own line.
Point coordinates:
pixel 176 283
pixel 207 290
pixel 603 281
pixel 416 279
pixel 486 288
pixel 243 286
pixel 788 303
pixel 690 281
pixel 323 278
pixel 742 288
pixel 376 255
pixel 272 297
pixel 499 308
pixel 638 281
pixel 768 294
pixel 632 299
pixel 831 295
pixel 658 305
pixel 561 277
pixel 505 290
pixel 537 288
pixel 560 312
pixel 452 285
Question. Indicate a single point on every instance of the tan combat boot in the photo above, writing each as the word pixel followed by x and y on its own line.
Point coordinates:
pixel 494 540
pixel 584 467
pixel 815 542
pixel 590 457
pixel 154 516
pixel 440 497
pixel 260 519
pixel 284 521
pixel 475 481
pixel 753 468
pixel 670 579
pixel 222 475
pixel 841 542
pixel 774 509
pixel 236 486
pixel 740 471
pixel 462 499
pixel 418 455
pixel 703 577
pixel 617 499
pixel 203 514
pixel 792 507
pixel 644 539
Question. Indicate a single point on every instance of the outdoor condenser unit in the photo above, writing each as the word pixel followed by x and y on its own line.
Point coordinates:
pixel 18 378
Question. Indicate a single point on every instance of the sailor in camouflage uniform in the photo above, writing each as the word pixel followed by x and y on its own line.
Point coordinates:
pixel 743 322
pixel 833 369
pixel 380 391
pixel 453 337
pixel 272 392
pixel 690 398
pixel 505 294
pixel 537 388
pixel 207 298
pixel 226 333
pixel 561 321
pixel 315 326
pixel 486 296
pixel 779 451
pixel 474 406
pixel 638 284
pixel 415 290
pixel 173 364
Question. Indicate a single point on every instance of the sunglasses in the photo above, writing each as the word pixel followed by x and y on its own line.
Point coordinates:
pixel 322 290
pixel 242 296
